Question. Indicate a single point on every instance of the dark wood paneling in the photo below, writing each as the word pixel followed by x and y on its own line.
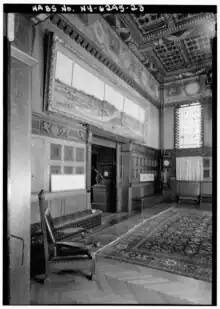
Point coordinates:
pixel 74 204
pixel 206 188
pixel 125 180
pixel 188 188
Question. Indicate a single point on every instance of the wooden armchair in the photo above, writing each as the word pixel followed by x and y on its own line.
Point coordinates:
pixel 66 254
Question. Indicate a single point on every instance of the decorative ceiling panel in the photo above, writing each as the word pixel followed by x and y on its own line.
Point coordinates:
pixel 169 45
pixel 199 48
pixel 184 16
pixel 149 22
pixel 170 56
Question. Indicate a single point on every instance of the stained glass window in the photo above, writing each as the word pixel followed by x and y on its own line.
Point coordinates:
pixel 188 126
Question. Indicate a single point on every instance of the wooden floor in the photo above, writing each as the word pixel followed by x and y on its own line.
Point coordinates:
pixel 122 283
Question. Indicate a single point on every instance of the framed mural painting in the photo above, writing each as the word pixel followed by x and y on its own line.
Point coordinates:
pixel 61 94
pixel 75 90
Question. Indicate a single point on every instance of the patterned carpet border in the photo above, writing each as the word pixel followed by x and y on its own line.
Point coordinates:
pixel 177 240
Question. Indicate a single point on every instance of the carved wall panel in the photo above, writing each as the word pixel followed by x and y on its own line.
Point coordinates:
pixel 44 126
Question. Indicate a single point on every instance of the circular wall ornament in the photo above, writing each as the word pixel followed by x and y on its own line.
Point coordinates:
pixel 192 88
pixel 99 32
pixel 166 163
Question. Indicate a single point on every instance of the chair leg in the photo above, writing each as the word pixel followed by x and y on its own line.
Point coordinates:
pixel 93 258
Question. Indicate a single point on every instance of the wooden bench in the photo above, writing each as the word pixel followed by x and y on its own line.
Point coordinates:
pixel 86 219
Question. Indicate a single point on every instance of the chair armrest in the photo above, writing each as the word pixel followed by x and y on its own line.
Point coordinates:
pixel 70 244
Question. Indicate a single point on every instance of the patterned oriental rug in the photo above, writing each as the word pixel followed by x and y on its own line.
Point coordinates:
pixel 177 241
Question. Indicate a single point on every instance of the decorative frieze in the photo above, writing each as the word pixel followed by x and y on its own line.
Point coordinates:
pixel 43 126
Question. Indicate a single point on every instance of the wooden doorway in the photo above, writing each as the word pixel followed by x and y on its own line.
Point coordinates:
pixel 103 178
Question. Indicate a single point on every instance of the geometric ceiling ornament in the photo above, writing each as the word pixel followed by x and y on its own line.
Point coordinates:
pixel 170 56
pixel 170 46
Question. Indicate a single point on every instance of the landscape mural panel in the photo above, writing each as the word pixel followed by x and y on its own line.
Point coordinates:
pixel 64 98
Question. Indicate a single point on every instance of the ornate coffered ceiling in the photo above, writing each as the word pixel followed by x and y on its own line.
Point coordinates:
pixel 171 46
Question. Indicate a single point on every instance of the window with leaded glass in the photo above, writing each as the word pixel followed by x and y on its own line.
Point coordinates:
pixel 189 126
